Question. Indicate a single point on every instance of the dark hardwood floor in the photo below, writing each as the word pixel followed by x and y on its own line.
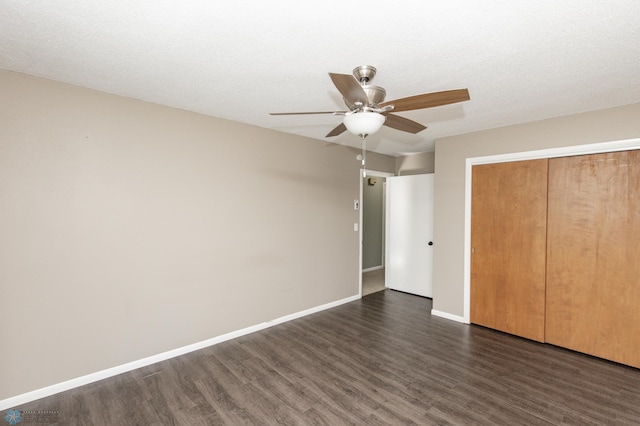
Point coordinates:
pixel 377 361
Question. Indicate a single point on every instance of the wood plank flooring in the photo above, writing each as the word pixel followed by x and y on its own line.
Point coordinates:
pixel 372 281
pixel 382 360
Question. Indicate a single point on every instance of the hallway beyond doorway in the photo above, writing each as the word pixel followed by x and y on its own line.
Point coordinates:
pixel 372 281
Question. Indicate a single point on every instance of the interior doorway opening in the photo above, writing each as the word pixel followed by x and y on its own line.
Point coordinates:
pixel 372 231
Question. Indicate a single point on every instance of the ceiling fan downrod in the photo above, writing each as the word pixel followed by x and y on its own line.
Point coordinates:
pixel 364 73
pixel 364 155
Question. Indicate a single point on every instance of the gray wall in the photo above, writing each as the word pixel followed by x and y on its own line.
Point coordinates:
pixel 129 229
pixel 450 156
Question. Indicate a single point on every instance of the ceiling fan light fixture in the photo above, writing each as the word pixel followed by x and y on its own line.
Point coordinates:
pixel 364 123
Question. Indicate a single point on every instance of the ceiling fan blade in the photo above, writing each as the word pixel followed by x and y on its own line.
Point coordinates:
pixel 311 112
pixel 428 100
pixel 336 131
pixel 349 87
pixel 400 123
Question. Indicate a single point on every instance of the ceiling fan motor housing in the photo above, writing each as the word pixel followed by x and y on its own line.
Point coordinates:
pixel 375 95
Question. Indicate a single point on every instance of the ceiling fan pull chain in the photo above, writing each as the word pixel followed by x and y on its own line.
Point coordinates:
pixel 364 155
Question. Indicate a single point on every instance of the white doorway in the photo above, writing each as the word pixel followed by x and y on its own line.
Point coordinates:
pixel 372 230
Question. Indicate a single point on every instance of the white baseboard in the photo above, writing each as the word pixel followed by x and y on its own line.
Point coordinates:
pixel 373 268
pixel 110 372
pixel 448 316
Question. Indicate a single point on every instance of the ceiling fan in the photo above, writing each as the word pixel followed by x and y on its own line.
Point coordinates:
pixel 367 109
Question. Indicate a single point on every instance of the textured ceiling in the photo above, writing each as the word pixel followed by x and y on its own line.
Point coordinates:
pixel 521 60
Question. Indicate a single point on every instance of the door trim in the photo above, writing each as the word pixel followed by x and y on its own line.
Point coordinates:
pixel 366 172
pixel 622 145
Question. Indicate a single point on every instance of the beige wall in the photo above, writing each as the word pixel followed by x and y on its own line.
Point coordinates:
pixel 128 229
pixel 415 164
pixel 450 156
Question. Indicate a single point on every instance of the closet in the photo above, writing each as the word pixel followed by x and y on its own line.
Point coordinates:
pixel 556 252
pixel 508 245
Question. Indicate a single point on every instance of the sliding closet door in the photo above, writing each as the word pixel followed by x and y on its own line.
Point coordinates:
pixel 593 264
pixel 508 238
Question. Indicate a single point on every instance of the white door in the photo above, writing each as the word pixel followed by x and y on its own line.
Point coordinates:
pixel 409 260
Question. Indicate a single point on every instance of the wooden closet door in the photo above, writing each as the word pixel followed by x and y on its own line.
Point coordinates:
pixel 508 239
pixel 593 264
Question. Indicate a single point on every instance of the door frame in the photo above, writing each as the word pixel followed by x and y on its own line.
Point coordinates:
pixel 595 148
pixel 364 173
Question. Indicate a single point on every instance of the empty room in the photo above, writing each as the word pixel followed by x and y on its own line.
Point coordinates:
pixel 187 234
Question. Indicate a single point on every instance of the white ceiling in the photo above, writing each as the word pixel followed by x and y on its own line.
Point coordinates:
pixel 521 60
